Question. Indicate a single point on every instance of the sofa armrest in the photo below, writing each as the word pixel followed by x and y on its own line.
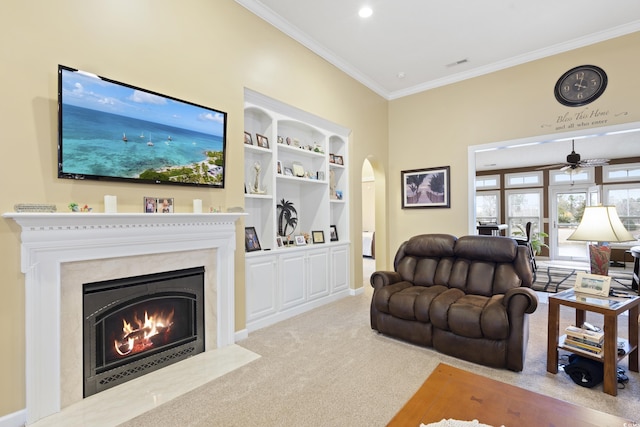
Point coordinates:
pixel 529 293
pixel 384 278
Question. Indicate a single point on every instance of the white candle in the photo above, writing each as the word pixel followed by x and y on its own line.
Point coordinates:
pixel 110 204
pixel 197 206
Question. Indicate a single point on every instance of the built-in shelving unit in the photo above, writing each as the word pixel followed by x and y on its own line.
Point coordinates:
pixel 296 165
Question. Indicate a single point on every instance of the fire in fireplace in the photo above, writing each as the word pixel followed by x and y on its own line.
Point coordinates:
pixel 135 325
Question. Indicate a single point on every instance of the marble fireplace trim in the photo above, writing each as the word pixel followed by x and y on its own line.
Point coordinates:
pixel 51 240
pixel 74 274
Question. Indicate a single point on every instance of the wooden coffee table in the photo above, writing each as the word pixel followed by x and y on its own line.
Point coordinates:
pixel 454 393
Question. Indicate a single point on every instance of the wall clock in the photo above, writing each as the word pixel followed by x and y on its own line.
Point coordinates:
pixel 580 85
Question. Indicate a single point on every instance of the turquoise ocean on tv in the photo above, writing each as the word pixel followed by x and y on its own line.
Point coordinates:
pixel 93 144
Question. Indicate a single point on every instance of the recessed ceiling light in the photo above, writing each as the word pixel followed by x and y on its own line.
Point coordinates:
pixel 365 12
pixel 401 75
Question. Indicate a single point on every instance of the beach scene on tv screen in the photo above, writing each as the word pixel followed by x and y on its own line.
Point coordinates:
pixel 118 131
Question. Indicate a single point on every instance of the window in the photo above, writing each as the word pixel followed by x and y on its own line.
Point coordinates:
pixel 524 179
pixel 523 206
pixel 488 206
pixel 557 177
pixel 626 199
pixel 487 182
pixel 625 172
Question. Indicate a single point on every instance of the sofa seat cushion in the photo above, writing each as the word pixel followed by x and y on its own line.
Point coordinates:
pixel 475 316
pixel 407 302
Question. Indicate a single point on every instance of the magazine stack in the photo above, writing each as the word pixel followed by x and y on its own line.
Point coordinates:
pixel 584 341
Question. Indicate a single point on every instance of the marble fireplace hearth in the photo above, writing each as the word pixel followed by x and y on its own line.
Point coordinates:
pixel 60 252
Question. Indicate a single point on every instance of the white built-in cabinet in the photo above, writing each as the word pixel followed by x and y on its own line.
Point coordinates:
pixel 283 281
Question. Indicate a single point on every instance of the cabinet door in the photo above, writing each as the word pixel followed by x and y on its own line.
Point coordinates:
pixel 318 275
pixel 261 287
pixel 339 268
pixel 292 278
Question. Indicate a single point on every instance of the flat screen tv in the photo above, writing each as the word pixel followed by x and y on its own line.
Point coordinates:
pixel 108 130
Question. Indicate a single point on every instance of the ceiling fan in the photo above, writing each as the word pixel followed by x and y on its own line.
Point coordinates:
pixel 574 162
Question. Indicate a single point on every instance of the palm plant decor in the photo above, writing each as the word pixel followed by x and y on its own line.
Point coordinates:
pixel 287 218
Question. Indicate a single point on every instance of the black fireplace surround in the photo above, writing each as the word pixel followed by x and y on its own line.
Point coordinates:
pixel 136 325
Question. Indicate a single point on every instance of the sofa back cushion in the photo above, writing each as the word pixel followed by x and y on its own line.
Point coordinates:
pixel 479 265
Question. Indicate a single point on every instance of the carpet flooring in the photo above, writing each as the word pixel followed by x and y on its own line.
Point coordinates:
pixel 327 367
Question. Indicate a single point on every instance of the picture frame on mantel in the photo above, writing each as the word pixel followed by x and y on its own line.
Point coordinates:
pixel 251 242
pixel 426 188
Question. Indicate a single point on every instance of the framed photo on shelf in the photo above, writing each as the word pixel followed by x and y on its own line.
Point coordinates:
pixel 338 160
pixel 300 240
pixel 251 242
pixel 279 241
pixel 318 236
pixel 333 233
pixel 426 188
pixel 332 158
pixel 150 204
pixel 320 175
pixel 593 284
pixel 298 170
pixel 165 205
pixel 262 141
pixel 247 138
pixel 280 167
pixel 288 171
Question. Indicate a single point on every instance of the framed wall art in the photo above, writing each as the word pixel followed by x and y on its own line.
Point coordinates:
pixel 247 138
pixel 426 188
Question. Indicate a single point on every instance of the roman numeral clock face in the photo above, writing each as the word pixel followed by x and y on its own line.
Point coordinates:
pixel 580 85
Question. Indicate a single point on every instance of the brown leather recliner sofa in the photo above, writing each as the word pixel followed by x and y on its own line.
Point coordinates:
pixel 467 297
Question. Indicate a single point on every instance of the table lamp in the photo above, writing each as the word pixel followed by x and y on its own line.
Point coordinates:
pixel 600 224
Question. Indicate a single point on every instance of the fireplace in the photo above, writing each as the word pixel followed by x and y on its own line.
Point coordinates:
pixel 136 325
pixel 62 251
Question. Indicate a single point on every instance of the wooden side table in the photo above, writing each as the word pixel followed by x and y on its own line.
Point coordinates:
pixel 610 308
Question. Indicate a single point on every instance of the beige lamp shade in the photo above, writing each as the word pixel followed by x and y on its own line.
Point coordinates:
pixel 601 224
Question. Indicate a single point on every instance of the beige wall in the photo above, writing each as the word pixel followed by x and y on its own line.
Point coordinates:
pixel 435 128
pixel 203 51
pixel 207 51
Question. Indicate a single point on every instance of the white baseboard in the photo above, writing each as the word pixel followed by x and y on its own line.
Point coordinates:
pixel 17 419
pixel 238 336
pixel 358 291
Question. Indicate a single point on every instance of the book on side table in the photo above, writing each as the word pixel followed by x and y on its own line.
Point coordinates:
pixel 584 340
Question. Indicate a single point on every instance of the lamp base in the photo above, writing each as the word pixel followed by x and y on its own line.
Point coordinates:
pixel 599 256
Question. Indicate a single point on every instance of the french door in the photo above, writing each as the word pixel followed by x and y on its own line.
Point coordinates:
pixel 567 207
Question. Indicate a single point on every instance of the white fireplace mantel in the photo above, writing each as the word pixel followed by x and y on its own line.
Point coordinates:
pixel 51 239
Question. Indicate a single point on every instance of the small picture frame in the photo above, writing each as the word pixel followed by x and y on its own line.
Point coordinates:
pixel 150 204
pixel 333 233
pixel 320 175
pixel 288 172
pixel 300 241
pixel 593 284
pixel 318 236
pixel 298 170
pixel 338 160
pixel 262 141
pixel 279 167
pixel 279 241
pixel 247 138
pixel 251 242
pixel 165 205
pixel 332 158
